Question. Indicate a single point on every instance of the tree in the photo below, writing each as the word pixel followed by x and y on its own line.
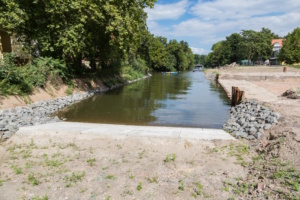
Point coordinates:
pixel 290 52
pixel 72 29
pixel 235 40
pixel 220 54
pixel 257 44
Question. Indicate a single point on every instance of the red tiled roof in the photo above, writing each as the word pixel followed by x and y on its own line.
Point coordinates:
pixel 278 41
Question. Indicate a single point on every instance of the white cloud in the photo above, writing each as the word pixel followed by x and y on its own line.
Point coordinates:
pixel 167 11
pixel 236 9
pixel 197 50
pixel 211 21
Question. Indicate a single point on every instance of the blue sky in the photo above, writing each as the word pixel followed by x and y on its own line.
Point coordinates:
pixel 204 22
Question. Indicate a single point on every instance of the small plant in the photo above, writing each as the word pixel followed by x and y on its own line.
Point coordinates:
pixel 32 179
pixel 110 177
pixel 140 186
pixel 40 198
pixel 31 142
pixel 83 190
pixel 181 186
pixel 18 170
pixel 70 89
pixel 119 146
pixel 91 161
pixel 153 179
pixel 199 188
pixel 52 163
pixel 131 176
pixel 141 154
pixel 105 168
pixel 91 150
pixel 170 157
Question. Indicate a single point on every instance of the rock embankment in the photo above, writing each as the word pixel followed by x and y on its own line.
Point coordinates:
pixel 37 113
pixel 250 119
pixel 42 112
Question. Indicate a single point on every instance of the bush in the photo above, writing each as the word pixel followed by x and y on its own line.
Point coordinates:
pixel 16 80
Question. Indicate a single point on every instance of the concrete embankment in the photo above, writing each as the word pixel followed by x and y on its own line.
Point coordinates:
pixel 88 130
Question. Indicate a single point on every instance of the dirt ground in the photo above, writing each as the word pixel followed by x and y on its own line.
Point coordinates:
pixel 101 167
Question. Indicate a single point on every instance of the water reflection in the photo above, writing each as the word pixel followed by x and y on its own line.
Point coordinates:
pixel 187 99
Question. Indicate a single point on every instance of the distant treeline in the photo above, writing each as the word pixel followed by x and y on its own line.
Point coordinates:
pixel 252 46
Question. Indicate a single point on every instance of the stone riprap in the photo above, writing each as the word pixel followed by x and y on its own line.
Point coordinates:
pixel 42 112
pixel 250 119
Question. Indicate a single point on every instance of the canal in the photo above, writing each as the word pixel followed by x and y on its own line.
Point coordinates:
pixel 187 99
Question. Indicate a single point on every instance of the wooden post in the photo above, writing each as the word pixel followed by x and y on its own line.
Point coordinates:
pixel 217 76
pixel 284 69
pixel 237 96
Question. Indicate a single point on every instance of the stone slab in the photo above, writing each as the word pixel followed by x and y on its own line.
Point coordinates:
pixel 121 131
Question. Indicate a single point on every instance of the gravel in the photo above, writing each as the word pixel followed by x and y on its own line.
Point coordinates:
pixel 250 119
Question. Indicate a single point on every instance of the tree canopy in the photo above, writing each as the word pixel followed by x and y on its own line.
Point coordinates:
pixel 290 52
pixel 100 31
pixel 74 29
pixel 247 44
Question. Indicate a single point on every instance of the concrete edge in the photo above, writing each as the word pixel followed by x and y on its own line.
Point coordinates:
pixel 123 131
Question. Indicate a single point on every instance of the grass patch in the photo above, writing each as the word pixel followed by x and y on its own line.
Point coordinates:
pixel 110 177
pixel 181 186
pixel 32 179
pixel 91 161
pixel 170 157
pixel 140 186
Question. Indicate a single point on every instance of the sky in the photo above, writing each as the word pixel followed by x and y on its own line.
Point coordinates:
pixel 204 22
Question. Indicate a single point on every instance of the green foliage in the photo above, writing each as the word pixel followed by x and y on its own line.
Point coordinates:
pixel 166 56
pixel 96 30
pixel 290 52
pixel 199 188
pixel 15 80
pixel 170 157
pixel 249 44
pixel 199 59
pixel 18 170
pixel 91 161
pixel 32 179
pixel 140 186
pixel 181 186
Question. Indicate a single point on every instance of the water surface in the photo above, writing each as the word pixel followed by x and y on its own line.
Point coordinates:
pixel 187 99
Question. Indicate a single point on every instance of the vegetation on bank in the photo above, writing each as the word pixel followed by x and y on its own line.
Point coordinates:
pixel 84 40
pixel 252 46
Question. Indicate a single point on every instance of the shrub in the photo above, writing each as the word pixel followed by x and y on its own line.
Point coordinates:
pixel 16 80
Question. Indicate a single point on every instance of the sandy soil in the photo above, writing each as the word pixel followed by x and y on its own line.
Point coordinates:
pixel 51 91
pixel 100 167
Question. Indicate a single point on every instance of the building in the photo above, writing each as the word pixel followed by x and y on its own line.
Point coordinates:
pixel 5 42
pixel 277 45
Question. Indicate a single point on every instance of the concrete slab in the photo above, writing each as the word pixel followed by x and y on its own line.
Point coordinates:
pixel 121 131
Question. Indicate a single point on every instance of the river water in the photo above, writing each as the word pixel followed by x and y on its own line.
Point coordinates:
pixel 187 99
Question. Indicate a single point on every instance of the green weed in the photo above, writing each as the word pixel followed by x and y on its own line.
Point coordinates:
pixel 140 186
pixel 170 157
pixel 91 161
pixel 181 186
pixel 32 179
